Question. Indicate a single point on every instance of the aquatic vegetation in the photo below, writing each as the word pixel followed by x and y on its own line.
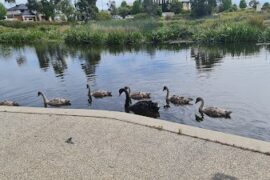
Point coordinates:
pixel 228 27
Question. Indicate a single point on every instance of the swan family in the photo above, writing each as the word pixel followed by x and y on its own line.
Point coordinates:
pixel 143 106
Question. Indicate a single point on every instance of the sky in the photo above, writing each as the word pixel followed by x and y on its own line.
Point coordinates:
pixel 101 4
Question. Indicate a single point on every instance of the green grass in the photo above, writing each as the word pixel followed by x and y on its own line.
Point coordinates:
pixel 229 27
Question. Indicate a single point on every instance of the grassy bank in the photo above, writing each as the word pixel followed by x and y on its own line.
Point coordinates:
pixel 231 27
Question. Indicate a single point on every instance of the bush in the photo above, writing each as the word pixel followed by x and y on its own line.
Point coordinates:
pixel 256 21
pixel 3 11
pixel 102 16
pixel 20 36
pixel 266 35
pixel 134 38
pixel 20 24
pixel 116 38
pixel 85 36
pixel 141 16
pixel 230 33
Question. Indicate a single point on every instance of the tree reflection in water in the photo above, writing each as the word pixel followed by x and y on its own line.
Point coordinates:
pixel 55 55
pixel 207 57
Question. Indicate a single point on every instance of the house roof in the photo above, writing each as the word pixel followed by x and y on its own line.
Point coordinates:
pixel 27 13
pixel 18 7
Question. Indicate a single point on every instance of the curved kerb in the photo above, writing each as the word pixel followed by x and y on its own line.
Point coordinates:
pixel 214 136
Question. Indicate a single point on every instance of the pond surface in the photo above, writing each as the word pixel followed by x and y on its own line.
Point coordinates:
pixel 235 77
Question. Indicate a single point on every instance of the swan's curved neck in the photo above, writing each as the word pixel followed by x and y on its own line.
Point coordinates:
pixel 128 90
pixel 168 93
pixel 45 100
pixel 201 106
pixel 127 98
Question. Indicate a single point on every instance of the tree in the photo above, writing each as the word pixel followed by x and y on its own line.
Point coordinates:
pixel 137 7
pixel 266 6
pixel 10 1
pixel 3 11
pixel 33 5
pixel 47 9
pixel 243 4
pixel 253 3
pixel 233 8
pixel 124 4
pixel 87 9
pixel 112 7
pixel 176 7
pixel 66 8
pixel 201 8
pixel 225 5
pixel 124 9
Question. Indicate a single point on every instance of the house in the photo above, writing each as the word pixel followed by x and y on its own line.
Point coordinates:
pixel 20 12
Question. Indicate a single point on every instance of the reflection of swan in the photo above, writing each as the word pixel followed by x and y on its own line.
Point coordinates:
pixel 55 101
pixel 8 103
pixel 212 111
pixel 147 108
pixel 199 118
pixel 138 95
pixel 99 93
pixel 177 100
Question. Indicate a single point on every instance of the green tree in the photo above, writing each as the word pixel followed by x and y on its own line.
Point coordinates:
pixel 66 7
pixel 253 3
pixel 34 5
pixel 124 9
pixel 87 9
pixel 112 7
pixel 233 8
pixel 225 5
pixel 10 1
pixel 124 4
pixel 103 16
pixel 243 4
pixel 3 11
pixel 47 9
pixel 266 6
pixel 201 8
pixel 176 7
pixel 137 7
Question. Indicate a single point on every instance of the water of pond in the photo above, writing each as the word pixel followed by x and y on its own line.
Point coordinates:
pixel 235 77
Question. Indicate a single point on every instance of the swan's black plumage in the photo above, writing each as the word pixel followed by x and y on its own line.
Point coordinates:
pixel 141 107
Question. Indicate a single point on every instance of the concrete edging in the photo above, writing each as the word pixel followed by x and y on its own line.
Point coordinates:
pixel 214 136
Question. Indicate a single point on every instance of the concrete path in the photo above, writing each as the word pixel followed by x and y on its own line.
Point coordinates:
pixel 32 146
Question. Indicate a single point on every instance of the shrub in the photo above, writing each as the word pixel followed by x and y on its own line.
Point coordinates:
pixel 256 21
pixel 266 35
pixel 116 38
pixel 85 36
pixel 3 11
pixel 20 36
pixel 141 16
pixel 134 38
pixel 230 33
pixel 102 16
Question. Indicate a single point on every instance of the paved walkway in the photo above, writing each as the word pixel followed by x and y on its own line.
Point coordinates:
pixel 33 147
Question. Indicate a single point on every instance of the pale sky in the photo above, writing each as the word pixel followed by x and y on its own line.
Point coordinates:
pixel 101 4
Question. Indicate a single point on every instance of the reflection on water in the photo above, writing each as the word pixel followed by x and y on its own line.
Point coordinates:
pixel 234 77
